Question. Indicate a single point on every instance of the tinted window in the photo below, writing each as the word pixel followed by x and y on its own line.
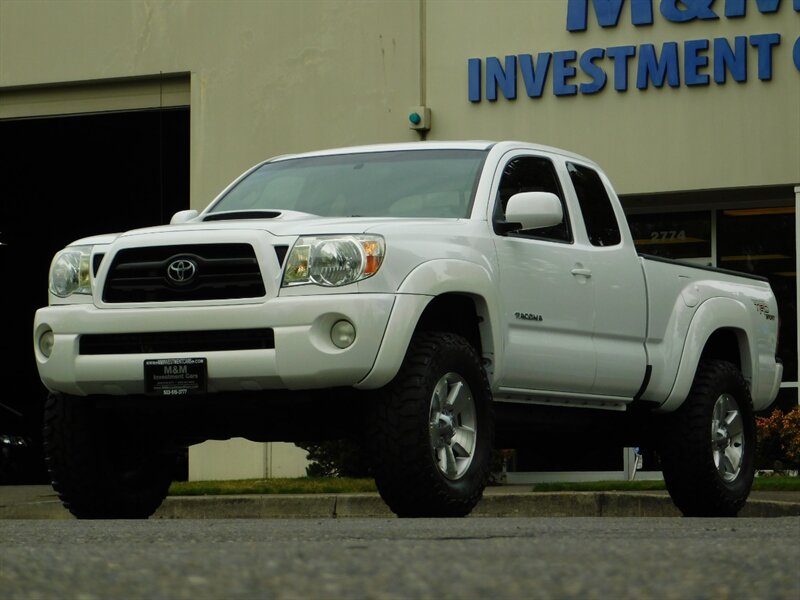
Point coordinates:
pixel 761 241
pixel 598 214
pixel 409 183
pixel 532 174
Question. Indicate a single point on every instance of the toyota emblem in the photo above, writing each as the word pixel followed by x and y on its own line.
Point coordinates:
pixel 182 271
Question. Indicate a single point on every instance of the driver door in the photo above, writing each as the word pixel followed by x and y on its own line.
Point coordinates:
pixel 547 301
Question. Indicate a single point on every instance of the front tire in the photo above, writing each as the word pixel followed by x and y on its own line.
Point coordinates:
pixel 104 466
pixel 431 432
pixel 708 446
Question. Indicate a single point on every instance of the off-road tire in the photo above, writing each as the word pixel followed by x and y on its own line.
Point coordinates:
pixel 399 431
pixel 699 487
pixel 102 466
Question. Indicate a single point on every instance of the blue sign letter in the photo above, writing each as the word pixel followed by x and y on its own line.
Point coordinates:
pixel 506 79
pixel 592 70
pixel 734 60
pixel 693 61
pixel 562 72
pixel 607 13
pixel 695 9
pixel 797 54
pixel 738 8
pixel 651 68
pixel 534 78
pixel 620 56
pixel 474 70
pixel 764 43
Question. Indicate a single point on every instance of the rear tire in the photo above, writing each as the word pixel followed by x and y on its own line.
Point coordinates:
pixel 430 434
pixel 103 466
pixel 708 444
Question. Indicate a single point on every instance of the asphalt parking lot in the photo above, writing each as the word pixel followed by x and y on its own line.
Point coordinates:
pixel 401 559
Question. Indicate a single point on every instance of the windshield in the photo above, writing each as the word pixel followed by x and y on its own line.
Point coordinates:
pixel 408 183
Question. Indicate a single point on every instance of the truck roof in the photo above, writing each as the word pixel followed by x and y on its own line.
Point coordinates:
pixel 501 146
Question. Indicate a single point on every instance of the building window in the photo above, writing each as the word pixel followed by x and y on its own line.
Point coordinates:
pixel 684 235
pixel 761 241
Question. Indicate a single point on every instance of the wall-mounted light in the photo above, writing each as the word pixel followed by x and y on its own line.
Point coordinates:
pixel 419 118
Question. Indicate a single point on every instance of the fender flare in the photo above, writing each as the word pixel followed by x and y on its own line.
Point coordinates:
pixel 711 316
pixel 427 281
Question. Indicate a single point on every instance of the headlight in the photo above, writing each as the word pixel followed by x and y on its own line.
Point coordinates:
pixel 333 260
pixel 70 272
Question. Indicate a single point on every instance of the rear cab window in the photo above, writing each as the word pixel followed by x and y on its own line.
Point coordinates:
pixel 598 212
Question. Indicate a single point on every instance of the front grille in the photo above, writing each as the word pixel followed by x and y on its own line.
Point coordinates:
pixel 177 341
pixel 179 273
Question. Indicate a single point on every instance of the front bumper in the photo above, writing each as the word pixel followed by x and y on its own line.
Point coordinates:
pixel 303 357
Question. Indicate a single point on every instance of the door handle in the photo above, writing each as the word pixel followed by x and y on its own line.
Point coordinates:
pixel 581 271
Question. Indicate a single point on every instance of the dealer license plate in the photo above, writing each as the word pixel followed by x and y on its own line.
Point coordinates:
pixel 175 376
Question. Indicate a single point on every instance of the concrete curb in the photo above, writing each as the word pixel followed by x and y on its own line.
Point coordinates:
pixel 326 506
pixel 297 506
pixel 540 504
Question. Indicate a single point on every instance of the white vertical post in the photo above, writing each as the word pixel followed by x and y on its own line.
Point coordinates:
pixel 796 247
pixel 629 464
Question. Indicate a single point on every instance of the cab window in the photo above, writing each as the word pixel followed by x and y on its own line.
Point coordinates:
pixel 531 174
pixel 598 213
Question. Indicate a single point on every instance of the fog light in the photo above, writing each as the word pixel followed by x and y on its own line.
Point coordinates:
pixel 343 334
pixel 46 343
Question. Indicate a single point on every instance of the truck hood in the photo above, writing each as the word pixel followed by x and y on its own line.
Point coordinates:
pixel 294 226
pixel 96 240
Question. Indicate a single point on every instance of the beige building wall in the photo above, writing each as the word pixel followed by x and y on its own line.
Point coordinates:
pixel 241 459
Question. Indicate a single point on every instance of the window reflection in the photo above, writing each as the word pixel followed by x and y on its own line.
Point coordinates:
pixel 684 235
pixel 761 241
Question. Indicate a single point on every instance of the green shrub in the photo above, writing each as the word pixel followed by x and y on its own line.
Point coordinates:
pixel 336 458
pixel 778 440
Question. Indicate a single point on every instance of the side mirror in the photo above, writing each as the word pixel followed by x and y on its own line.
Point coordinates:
pixel 534 210
pixel 182 216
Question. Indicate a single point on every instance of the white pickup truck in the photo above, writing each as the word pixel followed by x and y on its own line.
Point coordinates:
pixel 433 300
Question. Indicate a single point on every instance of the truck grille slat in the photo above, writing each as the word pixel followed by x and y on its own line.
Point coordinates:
pixel 216 264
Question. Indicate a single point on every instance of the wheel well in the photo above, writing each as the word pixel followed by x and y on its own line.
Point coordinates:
pixel 455 313
pixel 724 344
